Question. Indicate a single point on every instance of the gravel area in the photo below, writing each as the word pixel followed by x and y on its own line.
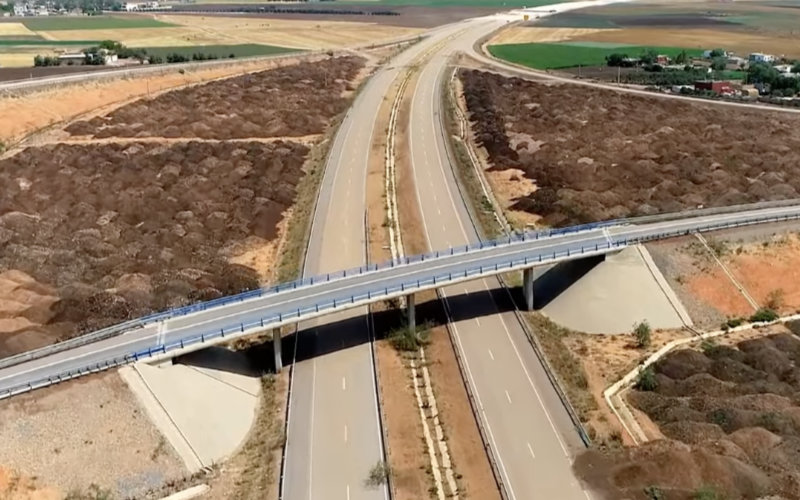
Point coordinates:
pixel 84 432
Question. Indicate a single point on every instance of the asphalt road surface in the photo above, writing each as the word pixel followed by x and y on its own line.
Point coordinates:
pixel 529 430
pixel 334 436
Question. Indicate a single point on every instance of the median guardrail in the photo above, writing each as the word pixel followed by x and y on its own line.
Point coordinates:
pixel 614 243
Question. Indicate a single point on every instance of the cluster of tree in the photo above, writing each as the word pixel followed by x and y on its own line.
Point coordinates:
pixel 665 78
pixel 779 84
pixel 122 51
pixel 197 56
pixel 39 61
pixel 95 7
pixel 7 7
pixel 94 56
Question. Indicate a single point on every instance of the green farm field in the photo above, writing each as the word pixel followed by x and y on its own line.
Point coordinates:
pixel 222 51
pixel 568 55
pixel 64 23
pixel 500 4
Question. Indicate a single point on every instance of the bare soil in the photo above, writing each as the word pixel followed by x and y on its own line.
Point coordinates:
pixel 408 456
pixel 153 226
pixel 731 414
pixel 24 114
pixel 770 271
pixel 595 154
pixel 84 432
pixel 116 230
pixel 605 359
pixel 406 450
pixel 296 101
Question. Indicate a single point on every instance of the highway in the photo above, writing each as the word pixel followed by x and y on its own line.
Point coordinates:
pixel 333 432
pixel 530 433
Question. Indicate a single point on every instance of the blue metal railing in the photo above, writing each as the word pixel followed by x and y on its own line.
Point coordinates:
pixel 411 286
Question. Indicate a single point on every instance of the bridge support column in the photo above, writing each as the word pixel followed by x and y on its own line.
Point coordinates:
pixel 527 288
pixel 276 347
pixel 412 313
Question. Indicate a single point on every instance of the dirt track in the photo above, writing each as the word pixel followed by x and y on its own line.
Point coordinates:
pixel 596 154
pixel 93 234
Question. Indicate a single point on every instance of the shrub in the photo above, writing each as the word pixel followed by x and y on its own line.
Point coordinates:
pixel 378 474
pixel 654 493
pixel 93 493
pixel 707 346
pixel 405 339
pixel 765 314
pixel 642 332
pixel 647 380
pixel 732 323
pixel 707 493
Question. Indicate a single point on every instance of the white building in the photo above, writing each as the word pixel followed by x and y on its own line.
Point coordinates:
pixel 134 6
pixel 763 58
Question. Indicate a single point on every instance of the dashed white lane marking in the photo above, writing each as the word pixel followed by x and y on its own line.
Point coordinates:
pixel 491 355
pixel 531 451
pixel 348 492
pixel 508 397
pixel 344 384
pixel 478 321
pixel 345 433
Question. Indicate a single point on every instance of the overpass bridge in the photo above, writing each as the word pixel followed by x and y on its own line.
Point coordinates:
pixel 178 331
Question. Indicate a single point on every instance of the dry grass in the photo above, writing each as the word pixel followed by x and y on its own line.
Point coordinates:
pixel 522 34
pixel 15 29
pixel 20 59
pixel 20 116
pixel 741 42
pixel 253 473
pixel 214 30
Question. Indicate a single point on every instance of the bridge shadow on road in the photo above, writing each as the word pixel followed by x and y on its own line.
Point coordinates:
pixel 323 339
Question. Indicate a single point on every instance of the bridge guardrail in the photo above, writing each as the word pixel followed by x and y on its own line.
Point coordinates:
pixel 403 288
pixel 120 328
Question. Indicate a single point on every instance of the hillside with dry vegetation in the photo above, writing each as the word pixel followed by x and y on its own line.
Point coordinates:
pixel 153 206
pixel 596 154
pixel 731 416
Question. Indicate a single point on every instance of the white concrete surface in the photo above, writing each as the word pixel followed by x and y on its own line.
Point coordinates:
pixel 204 408
pixel 617 293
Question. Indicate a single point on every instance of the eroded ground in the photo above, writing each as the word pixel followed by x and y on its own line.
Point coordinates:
pixel 93 234
pixel 735 406
pixel 296 101
pixel 595 154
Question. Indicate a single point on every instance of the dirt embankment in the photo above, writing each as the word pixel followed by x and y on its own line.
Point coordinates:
pixel 732 416
pixel 596 154
pixel 91 235
pixel 296 101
